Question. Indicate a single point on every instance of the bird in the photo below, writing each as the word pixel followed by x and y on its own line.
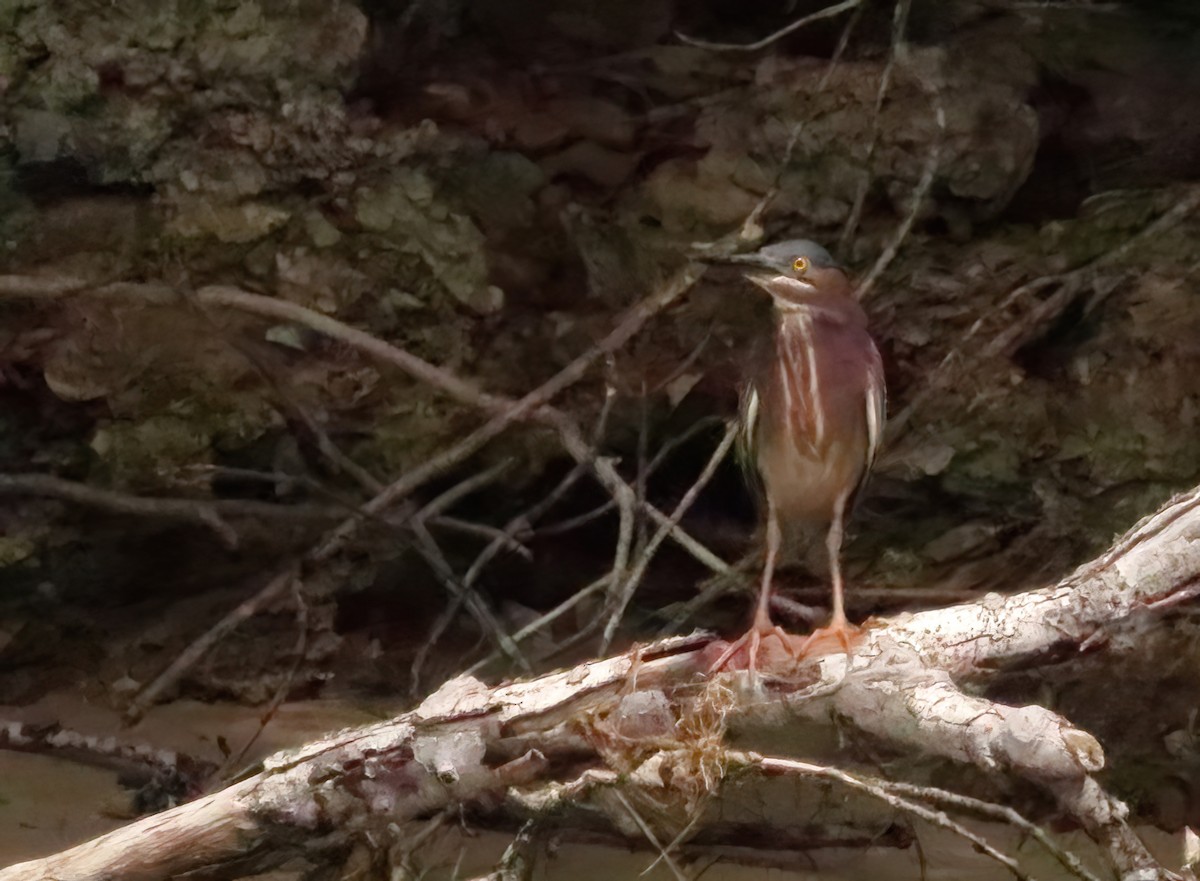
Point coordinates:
pixel 811 418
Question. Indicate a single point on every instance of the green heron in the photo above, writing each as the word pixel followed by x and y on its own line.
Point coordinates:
pixel 811 416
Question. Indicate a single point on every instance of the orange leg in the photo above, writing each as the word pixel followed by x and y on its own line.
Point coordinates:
pixel 839 628
pixel 762 626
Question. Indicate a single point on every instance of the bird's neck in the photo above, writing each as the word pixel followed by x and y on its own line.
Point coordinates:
pixel 818 309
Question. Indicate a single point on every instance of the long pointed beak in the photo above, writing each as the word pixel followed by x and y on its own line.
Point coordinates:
pixel 751 261
pixel 762 279
pixel 781 287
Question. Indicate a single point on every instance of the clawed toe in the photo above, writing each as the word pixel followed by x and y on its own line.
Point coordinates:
pixel 769 641
pixel 825 640
pixel 776 645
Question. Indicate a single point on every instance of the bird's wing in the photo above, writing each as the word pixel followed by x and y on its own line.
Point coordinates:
pixel 748 439
pixel 876 407
pixel 876 411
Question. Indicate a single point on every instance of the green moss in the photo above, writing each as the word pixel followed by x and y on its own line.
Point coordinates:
pixel 498 188
pixel 1105 222
pixel 133 454
pixel 409 213
pixel 41 135
pixel 406 438
pixel 320 231
pixel 142 453
pixel 17 549
pixel 231 224
pixel 993 460
pixel 154 53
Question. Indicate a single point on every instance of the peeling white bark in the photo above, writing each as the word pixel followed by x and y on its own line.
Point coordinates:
pixel 887 690
pixel 468 743
pixel 1155 565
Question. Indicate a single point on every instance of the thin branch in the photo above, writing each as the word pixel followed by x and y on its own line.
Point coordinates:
pixel 876 789
pixel 277 586
pixel 460 593
pixel 455 494
pixel 330 451
pixel 919 192
pixel 616 575
pixel 697 427
pixel 519 858
pixel 1068 284
pixel 501 539
pixel 180 774
pixel 210 513
pixel 299 655
pixel 404 865
pixel 751 229
pixel 520 524
pixel 432 553
pixel 545 619
pixel 827 12
pixel 612 481
pixel 626 591
pixel 650 836
pixel 1007 341
pixel 899 22
pixel 895 683
pixel 203 644
pixel 994 811
pixel 505 410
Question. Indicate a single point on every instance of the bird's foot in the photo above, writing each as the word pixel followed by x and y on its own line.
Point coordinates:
pixel 838 636
pixel 763 646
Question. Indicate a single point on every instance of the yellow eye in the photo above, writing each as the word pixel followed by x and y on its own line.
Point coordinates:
pixel 800 265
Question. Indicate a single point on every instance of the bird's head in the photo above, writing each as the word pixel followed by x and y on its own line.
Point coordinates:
pixel 797 272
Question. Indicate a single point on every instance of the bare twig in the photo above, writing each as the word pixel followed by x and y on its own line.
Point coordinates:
pixel 663 855
pixel 520 524
pixel 625 507
pixel 1068 284
pixel 210 513
pixel 642 455
pixel 505 410
pixel 275 588
pixel 877 789
pixel 612 481
pixel 751 230
pixel 429 550
pixel 440 625
pixel 626 590
pixel 503 540
pixel 994 811
pixel 325 444
pixel 659 458
pixel 517 862
pixel 455 494
pixel 827 12
pixel 137 764
pixel 460 593
pixel 202 645
pixel 404 864
pixel 546 619
pixel 933 89
pixel 899 21
pixel 1008 341
pixel 299 655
